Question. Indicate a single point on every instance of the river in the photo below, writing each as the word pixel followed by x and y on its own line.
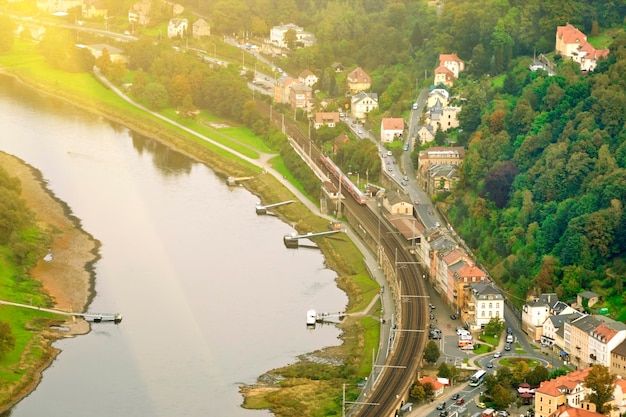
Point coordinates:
pixel 210 296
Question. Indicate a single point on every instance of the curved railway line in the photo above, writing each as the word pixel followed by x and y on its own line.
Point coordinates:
pixel 390 390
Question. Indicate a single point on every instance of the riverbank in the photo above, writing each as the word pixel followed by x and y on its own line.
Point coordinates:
pixel 66 276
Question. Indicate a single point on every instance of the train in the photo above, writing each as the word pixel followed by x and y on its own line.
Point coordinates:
pixel 352 189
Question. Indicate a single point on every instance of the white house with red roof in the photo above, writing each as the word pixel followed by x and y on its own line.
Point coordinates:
pixel 452 62
pixel 391 128
pixel 572 43
pixel 437 386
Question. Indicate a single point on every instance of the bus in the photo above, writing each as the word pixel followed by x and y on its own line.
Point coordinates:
pixel 478 378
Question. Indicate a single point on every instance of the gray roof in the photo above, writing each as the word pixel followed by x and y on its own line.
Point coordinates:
pixel 486 290
pixel 588 294
pixel 586 323
pixel 613 324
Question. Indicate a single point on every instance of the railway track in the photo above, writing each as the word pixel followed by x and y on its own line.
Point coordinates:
pixel 391 389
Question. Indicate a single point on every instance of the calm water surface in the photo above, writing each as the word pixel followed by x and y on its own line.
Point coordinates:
pixel 210 296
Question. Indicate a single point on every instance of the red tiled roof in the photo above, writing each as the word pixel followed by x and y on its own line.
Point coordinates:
pixel 436 384
pixel 393 123
pixel 570 34
pixel 449 57
pixel 555 387
pixel 568 411
pixel 359 76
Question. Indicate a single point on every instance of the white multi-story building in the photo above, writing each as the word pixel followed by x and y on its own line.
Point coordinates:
pixel 277 35
pixel 487 302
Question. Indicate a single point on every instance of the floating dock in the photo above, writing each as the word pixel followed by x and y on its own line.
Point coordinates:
pixel 91 317
pixel 313 317
pixel 261 209
pixel 291 240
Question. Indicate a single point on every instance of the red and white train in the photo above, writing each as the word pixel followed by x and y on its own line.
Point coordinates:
pixel 352 189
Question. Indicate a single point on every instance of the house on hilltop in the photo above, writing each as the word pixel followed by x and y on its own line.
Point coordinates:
pixel 453 63
pixel 571 43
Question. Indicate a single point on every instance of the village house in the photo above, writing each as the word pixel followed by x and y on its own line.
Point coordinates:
pixel 437 386
pixel 467 273
pixel 358 80
pixel 572 44
pixel 436 93
pixel 329 119
pixel 200 28
pixel 433 242
pixel 282 89
pixel 535 313
pixel 485 301
pixel 397 203
pixel 448 263
pixel 94 9
pixel 277 35
pixel 300 96
pixel 442 117
pixel 618 360
pixel 576 338
pixel 603 339
pixel 453 63
pixel 446 157
pixel 568 392
pixel 425 134
pixel 443 76
pixel 177 28
pixel 116 54
pixel 140 12
pixel 307 78
pixel 441 178
pixel 362 103
pixel 391 128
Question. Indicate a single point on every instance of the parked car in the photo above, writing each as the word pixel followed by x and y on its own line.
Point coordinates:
pixel 432 307
pixel 509 330
pixel 497 355
pixel 489 365
pixel 441 405
pixel 460 401
pixel 453 316
pixel 456 396
pixel 443 413
pixel 432 316
pixel 481 405
pixel 507 347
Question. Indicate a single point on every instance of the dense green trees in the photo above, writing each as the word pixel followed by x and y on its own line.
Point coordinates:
pixel 558 206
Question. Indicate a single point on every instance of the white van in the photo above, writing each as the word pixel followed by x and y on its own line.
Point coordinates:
pixel 509 338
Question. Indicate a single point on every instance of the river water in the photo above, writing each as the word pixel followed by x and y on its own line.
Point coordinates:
pixel 210 296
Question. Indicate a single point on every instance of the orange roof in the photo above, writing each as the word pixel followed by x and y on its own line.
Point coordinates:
pixel 469 270
pixel 449 57
pixel 436 384
pixel 568 411
pixel 570 34
pixel 556 386
pixel 442 69
pixel 454 256
pixel 393 123
pixel 327 117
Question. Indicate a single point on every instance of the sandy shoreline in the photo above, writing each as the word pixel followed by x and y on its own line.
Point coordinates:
pixel 67 278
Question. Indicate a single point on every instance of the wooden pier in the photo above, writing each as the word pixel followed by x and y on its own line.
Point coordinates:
pixel 292 240
pixel 91 317
pixel 261 209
